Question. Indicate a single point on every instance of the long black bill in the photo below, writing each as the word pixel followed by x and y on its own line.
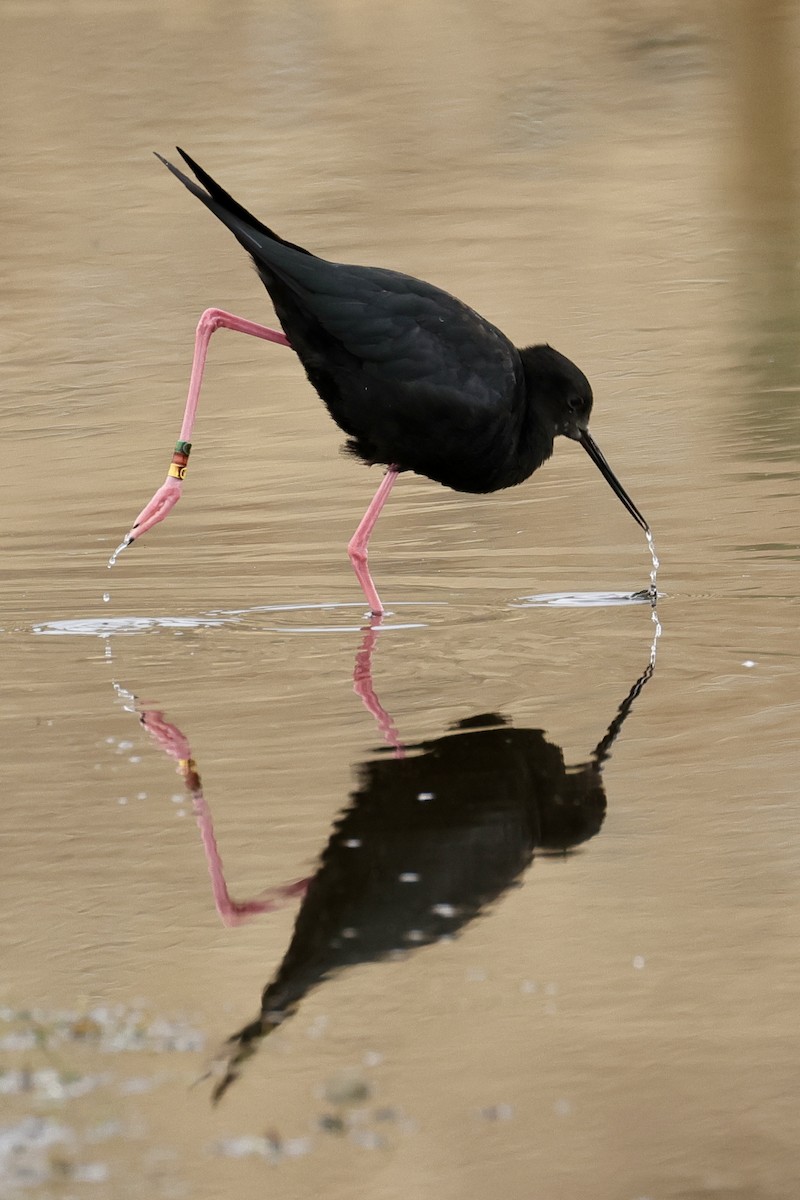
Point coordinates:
pixel 593 450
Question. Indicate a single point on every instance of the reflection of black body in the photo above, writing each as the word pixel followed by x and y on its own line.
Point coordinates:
pixel 428 841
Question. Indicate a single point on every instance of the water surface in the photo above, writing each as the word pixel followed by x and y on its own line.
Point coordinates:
pixel 613 1016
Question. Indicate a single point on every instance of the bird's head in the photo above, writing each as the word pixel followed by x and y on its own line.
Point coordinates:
pixel 562 399
pixel 560 391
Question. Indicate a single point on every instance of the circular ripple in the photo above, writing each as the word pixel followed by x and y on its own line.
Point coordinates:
pixel 583 599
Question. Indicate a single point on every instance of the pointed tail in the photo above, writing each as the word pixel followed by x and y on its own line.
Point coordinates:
pixel 247 229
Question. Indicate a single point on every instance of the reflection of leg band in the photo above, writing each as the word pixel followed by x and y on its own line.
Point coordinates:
pixel 180 458
pixel 191 778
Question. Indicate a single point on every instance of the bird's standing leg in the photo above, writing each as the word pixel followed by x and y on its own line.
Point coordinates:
pixel 169 493
pixel 357 546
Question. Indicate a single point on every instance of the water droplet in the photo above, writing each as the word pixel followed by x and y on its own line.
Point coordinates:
pixel 122 546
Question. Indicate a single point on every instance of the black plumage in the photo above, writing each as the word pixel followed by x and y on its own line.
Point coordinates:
pixel 414 377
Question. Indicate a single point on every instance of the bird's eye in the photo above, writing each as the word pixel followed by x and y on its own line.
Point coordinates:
pixel 574 403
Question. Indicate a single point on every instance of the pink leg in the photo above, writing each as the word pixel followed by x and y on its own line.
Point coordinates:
pixel 169 493
pixel 357 546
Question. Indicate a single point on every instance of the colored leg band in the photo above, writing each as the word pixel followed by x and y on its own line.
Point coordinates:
pixel 177 468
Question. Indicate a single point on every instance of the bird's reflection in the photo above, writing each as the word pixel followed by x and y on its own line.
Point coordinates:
pixel 434 832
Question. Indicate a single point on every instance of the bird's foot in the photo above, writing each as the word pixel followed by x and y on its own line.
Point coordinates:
pixel 156 510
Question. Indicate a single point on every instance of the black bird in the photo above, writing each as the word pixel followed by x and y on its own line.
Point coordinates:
pixel 416 379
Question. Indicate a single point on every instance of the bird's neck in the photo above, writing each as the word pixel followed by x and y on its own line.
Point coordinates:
pixel 537 433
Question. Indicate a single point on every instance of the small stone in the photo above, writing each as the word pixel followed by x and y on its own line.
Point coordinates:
pixel 347 1088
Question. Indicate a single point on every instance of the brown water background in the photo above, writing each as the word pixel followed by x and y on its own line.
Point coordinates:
pixel 616 179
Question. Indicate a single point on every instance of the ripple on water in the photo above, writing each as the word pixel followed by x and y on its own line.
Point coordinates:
pixel 285 618
pixel 584 599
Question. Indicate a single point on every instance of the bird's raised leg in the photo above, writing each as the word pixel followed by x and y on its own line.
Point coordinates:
pixel 357 546
pixel 169 493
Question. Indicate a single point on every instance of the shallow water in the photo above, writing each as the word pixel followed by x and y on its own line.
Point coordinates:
pixel 615 1020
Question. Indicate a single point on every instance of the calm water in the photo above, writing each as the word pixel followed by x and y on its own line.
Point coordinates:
pixel 551 948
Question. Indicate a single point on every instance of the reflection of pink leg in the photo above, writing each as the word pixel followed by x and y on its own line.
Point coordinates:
pixel 233 912
pixel 169 493
pixel 357 547
pixel 362 686
pixel 171 740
